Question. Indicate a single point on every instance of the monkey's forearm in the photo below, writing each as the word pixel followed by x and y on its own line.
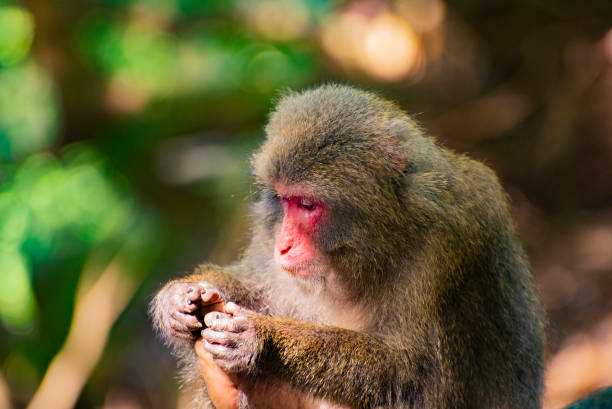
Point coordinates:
pixel 344 366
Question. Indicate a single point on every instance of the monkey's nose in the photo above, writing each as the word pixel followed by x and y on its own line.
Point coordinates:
pixel 286 250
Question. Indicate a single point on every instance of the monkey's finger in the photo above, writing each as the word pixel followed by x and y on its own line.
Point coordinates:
pixel 225 322
pixel 220 337
pixel 211 296
pixel 178 329
pixel 189 321
pixel 189 306
pixel 182 303
pixel 234 324
pixel 193 292
pixel 218 351
pixel 232 308
pixel 211 319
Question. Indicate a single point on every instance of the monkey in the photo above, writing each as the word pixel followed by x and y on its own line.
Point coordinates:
pixel 383 271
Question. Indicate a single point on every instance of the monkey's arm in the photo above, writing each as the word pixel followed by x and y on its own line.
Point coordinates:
pixel 342 365
pixel 345 366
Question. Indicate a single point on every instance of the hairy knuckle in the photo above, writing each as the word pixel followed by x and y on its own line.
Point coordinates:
pixel 194 324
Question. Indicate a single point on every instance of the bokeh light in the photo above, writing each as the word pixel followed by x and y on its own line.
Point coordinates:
pixel 389 44
pixel 390 48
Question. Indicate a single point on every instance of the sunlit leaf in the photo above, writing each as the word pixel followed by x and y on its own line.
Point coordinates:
pixel 14 219
pixel 17 304
pixel 16 33
pixel 28 111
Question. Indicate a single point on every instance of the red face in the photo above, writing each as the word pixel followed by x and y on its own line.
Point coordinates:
pixel 295 248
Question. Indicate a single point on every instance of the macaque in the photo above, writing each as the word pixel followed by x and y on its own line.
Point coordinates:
pixel 383 271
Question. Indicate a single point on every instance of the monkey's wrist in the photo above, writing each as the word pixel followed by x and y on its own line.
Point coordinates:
pixel 264 326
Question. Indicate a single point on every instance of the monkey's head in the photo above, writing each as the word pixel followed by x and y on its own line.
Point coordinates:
pixel 332 171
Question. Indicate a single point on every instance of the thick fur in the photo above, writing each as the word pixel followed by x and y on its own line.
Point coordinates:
pixel 425 300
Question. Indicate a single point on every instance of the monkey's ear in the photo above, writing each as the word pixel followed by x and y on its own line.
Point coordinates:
pixel 396 132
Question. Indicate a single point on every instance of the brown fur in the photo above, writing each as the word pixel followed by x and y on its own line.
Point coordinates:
pixel 424 298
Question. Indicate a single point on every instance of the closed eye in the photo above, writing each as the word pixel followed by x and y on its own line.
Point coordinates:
pixel 306 205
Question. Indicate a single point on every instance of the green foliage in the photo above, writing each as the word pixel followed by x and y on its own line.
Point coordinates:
pixel 161 64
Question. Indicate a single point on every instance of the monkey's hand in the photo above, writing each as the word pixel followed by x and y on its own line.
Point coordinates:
pixel 231 339
pixel 179 304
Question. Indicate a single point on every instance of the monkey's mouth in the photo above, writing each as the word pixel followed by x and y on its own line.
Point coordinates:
pixel 301 270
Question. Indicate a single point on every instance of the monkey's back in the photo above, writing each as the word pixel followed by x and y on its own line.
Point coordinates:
pixel 478 288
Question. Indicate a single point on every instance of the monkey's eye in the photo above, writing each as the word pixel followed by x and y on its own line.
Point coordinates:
pixel 306 204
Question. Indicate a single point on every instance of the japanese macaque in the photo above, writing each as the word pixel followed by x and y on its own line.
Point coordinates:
pixel 383 271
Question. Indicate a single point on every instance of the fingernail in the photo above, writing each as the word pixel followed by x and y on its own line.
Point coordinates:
pixel 190 290
pixel 189 302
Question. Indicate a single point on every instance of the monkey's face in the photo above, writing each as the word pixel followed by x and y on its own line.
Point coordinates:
pixel 335 157
pixel 295 248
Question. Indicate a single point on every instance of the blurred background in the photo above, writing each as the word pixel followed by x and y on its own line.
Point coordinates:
pixel 125 132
